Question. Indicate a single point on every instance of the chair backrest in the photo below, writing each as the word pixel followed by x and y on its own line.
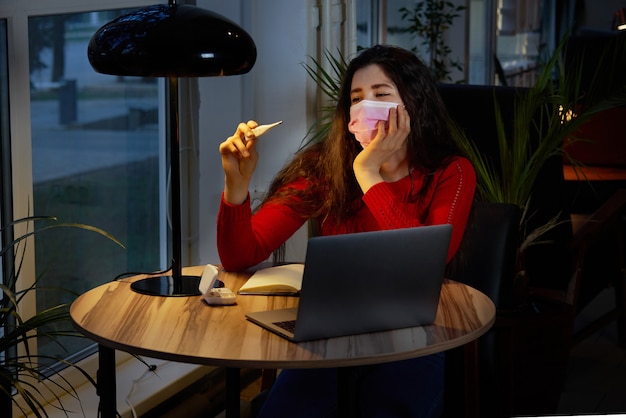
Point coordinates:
pixel 486 259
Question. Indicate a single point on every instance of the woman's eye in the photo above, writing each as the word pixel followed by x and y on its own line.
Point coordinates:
pixel 382 94
pixel 355 100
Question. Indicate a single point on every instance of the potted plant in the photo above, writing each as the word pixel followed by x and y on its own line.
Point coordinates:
pixel 328 82
pixel 546 117
pixel 22 372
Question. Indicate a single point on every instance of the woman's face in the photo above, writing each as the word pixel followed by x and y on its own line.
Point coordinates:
pixel 371 83
pixel 372 95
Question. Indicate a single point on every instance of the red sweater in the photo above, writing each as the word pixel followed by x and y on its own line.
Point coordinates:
pixel 244 239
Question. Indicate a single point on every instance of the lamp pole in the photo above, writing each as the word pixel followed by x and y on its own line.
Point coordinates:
pixel 174 141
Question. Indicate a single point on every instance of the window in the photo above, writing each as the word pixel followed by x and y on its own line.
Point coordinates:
pixel 513 31
pixel 95 150
pixel 210 113
pixel 380 21
pixel 91 152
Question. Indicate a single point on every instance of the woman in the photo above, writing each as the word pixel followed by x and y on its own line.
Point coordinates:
pixel 369 174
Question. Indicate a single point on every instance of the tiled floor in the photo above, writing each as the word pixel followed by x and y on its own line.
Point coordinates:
pixel 596 381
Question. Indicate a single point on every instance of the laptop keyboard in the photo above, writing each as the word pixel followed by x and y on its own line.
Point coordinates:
pixel 287 325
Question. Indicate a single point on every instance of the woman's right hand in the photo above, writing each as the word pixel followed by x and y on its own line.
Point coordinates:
pixel 239 158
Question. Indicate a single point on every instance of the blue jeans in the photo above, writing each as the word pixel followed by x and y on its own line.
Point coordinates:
pixel 403 389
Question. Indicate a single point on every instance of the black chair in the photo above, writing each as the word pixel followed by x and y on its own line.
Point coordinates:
pixel 487 256
pixel 486 261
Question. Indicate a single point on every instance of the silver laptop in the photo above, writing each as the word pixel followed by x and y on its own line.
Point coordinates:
pixel 365 282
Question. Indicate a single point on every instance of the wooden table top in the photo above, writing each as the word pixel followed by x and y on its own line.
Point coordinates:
pixel 185 329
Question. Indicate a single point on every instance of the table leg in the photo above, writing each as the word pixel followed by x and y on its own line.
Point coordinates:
pixel 347 392
pixel 106 382
pixel 472 379
pixel 233 387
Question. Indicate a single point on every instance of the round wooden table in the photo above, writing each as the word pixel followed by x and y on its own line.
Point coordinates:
pixel 185 329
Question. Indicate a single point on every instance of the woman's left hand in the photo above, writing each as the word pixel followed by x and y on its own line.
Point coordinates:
pixel 386 148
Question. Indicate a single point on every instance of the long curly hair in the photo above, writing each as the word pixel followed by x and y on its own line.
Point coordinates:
pixel 332 187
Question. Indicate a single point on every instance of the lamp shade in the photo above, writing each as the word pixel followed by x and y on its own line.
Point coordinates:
pixel 171 41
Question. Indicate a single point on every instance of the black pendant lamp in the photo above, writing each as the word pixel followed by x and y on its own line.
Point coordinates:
pixel 173 40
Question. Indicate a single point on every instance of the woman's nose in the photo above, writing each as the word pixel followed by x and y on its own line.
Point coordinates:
pixel 370 95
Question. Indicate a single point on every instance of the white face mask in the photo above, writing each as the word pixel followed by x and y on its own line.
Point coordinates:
pixel 364 117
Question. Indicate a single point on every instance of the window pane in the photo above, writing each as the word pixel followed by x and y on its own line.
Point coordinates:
pixel 396 27
pixel 95 149
pixel 365 30
pixel 380 21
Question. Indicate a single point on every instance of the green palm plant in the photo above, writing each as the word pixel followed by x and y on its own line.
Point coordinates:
pixel 328 83
pixel 23 372
pixel 550 107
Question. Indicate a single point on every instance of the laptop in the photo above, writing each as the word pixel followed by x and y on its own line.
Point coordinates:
pixel 365 282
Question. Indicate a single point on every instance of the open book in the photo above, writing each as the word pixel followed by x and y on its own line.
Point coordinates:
pixel 278 280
